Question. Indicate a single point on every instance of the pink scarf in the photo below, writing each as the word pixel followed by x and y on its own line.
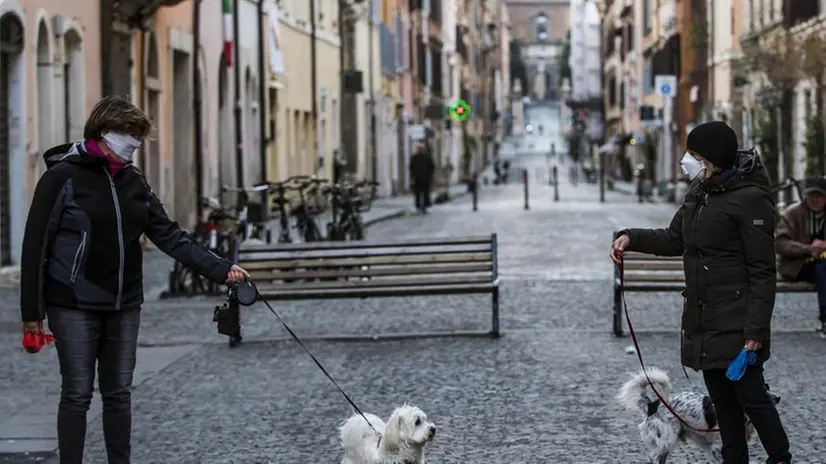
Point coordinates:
pixel 113 165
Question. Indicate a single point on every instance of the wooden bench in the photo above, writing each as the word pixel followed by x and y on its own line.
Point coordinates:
pixel 364 269
pixel 649 273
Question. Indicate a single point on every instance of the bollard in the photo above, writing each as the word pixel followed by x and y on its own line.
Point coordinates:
pixel 475 192
pixel 556 184
pixel 525 183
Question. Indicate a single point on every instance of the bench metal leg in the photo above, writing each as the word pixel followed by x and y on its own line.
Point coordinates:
pixel 494 332
pixel 618 311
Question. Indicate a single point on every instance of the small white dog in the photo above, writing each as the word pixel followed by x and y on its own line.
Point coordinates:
pixel 660 430
pixel 402 441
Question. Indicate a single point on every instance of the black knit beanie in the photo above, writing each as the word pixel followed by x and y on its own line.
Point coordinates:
pixel 714 141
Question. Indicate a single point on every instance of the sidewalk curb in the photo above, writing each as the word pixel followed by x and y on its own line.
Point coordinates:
pixel 403 212
pixel 385 217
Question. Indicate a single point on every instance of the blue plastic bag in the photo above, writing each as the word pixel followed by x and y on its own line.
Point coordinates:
pixel 737 368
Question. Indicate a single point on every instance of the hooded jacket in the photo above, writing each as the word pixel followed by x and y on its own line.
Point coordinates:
pixel 81 247
pixel 725 233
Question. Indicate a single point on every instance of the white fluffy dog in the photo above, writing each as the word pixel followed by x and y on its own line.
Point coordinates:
pixel 660 430
pixel 403 438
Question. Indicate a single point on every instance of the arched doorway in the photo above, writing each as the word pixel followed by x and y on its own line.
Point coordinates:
pixel 12 132
pixel 151 162
pixel 73 85
pixel 45 104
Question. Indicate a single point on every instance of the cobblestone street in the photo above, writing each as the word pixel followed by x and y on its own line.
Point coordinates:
pixel 542 393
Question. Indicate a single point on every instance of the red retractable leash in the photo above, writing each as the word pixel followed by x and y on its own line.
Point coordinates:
pixel 621 266
pixel 33 343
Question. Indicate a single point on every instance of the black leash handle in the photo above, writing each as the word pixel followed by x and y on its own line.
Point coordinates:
pixel 247 293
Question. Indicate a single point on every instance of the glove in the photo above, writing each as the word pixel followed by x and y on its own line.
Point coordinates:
pixel 737 368
pixel 33 343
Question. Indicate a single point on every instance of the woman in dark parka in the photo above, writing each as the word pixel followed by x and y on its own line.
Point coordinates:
pixel 82 269
pixel 725 233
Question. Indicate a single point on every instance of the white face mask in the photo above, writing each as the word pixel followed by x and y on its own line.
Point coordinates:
pixel 692 167
pixel 121 144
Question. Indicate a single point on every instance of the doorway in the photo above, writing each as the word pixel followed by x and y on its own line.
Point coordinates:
pixel 226 165
pixel 12 148
pixel 151 159
pixel 183 188
pixel 45 105
pixel 73 87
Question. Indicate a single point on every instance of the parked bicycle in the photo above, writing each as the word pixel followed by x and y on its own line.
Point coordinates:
pixel 218 232
pixel 789 183
pixel 351 202
pixel 309 207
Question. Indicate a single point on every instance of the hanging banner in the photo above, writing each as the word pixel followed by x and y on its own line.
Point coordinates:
pixel 274 38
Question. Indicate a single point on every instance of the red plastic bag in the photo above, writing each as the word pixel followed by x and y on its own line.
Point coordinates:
pixel 33 343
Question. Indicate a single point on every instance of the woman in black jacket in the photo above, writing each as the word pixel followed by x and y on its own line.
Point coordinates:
pixel 82 269
pixel 725 233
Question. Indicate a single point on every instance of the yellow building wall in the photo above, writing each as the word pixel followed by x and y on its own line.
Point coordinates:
pixel 295 141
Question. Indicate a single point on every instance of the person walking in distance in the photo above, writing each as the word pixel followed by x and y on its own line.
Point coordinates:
pixel 801 242
pixel 422 169
pixel 81 268
pixel 724 231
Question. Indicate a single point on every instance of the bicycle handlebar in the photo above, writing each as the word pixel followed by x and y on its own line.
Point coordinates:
pixel 254 188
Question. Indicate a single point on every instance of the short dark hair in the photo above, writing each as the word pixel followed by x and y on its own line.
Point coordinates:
pixel 116 114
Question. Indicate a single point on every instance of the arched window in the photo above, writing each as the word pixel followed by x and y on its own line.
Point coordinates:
pixel 541 27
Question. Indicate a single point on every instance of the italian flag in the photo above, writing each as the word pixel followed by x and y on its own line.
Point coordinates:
pixel 226 9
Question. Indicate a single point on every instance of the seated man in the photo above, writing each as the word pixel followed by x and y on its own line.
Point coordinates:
pixel 800 242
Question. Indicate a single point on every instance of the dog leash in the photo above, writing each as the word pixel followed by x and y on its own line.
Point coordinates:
pixel 621 266
pixel 250 284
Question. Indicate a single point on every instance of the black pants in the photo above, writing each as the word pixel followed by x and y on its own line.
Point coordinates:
pixel 421 190
pixel 747 396
pixel 84 339
pixel 815 272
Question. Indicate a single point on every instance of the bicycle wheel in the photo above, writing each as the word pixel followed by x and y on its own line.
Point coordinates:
pixel 311 232
pixel 356 229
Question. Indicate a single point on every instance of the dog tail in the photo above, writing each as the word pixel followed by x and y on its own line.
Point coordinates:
pixel 633 396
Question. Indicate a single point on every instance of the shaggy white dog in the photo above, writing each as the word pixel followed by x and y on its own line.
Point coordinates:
pixel 402 441
pixel 660 430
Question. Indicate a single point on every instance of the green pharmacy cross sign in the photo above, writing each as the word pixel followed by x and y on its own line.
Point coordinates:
pixel 460 111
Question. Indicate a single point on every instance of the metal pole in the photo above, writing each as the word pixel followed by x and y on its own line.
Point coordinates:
pixel 196 106
pixel 314 83
pixel 239 128
pixel 556 184
pixel 262 112
pixel 525 183
pixel 475 192
pixel 372 117
pixel 602 102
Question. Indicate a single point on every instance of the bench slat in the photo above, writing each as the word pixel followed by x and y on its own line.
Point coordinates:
pixel 654 266
pixel 366 245
pixel 379 283
pixel 278 253
pixel 278 293
pixel 310 273
pixel 643 284
pixel 654 277
pixel 635 256
pixel 452 258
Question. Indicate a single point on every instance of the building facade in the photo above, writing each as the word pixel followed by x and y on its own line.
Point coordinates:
pixel 49 79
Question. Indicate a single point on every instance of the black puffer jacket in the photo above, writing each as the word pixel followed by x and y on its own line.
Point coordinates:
pixel 725 233
pixel 81 248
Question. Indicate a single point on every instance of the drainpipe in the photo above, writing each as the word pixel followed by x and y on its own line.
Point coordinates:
pixel 314 84
pixel 197 112
pixel 262 90
pixel 106 37
pixel 239 128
